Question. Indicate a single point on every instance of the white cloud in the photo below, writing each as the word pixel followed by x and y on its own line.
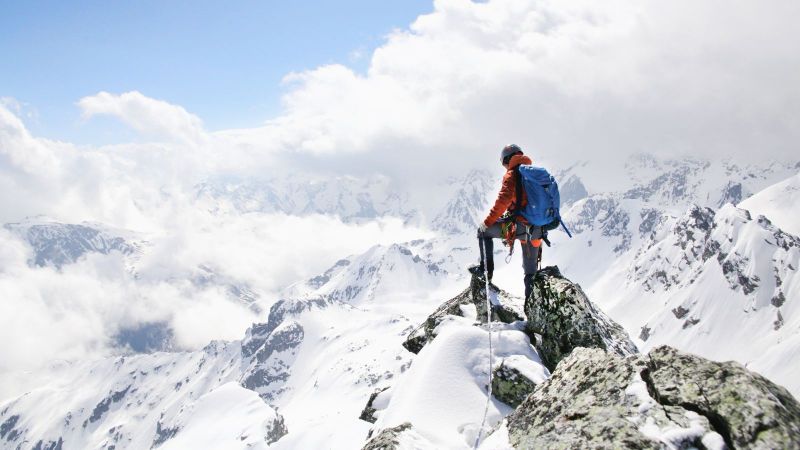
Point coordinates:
pixel 565 79
pixel 75 312
pixel 575 79
pixel 149 116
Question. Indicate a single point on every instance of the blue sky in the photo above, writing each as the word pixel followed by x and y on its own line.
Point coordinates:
pixel 220 60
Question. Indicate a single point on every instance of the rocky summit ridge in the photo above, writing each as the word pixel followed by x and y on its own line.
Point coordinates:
pixel 600 392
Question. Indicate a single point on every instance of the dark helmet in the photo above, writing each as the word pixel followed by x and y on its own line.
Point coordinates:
pixel 508 151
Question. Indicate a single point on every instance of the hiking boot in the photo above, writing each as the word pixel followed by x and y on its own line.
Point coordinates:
pixel 529 285
pixel 478 269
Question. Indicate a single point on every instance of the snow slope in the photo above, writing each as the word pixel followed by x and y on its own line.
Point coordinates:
pixel 139 402
pixel 315 360
pixel 444 393
pixel 780 203
pixel 383 273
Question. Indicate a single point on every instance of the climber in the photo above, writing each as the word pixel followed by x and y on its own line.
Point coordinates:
pixel 504 222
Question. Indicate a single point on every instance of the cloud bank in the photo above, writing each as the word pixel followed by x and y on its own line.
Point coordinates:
pixel 567 80
pixel 181 280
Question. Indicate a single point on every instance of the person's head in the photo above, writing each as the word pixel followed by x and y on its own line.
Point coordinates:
pixel 507 152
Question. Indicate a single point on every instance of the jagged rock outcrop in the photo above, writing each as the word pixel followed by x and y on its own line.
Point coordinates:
pixel 562 318
pixel 572 190
pixel 270 347
pixel 368 413
pixel 388 439
pixel 748 410
pixel 508 311
pixel 666 399
pixel 510 385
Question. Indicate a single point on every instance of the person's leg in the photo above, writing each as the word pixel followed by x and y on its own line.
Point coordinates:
pixel 486 246
pixel 530 256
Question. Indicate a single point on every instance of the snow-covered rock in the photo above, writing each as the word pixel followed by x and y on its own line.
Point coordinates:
pixel 444 392
pixel 511 384
pixel 666 399
pixel 471 304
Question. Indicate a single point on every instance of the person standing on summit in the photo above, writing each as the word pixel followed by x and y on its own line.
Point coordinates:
pixel 505 222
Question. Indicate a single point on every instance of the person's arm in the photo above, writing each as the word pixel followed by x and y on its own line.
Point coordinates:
pixel 504 199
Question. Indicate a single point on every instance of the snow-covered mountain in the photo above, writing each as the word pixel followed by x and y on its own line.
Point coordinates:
pixel 145 401
pixel 660 247
pixel 624 209
pixel 466 203
pixel 58 244
pixel 779 203
pixel 312 363
pixel 352 199
pixel 720 283
pixel 382 274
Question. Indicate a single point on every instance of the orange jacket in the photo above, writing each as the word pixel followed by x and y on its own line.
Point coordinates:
pixel 507 198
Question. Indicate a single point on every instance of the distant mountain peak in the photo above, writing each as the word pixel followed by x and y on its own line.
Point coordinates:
pixel 57 244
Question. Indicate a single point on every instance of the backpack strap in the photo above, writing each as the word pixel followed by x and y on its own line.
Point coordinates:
pixel 518 189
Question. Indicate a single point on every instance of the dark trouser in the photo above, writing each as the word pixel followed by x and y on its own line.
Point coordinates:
pixel 530 254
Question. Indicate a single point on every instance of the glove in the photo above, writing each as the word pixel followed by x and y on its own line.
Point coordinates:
pixel 482 228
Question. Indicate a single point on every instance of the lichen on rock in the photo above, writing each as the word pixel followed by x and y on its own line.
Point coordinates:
pixel 748 410
pixel 387 439
pixel 563 318
pixel 510 386
pixel 667 399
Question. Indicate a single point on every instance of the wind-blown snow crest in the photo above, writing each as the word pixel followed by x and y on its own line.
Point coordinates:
pixel 444 392
pixel 780 203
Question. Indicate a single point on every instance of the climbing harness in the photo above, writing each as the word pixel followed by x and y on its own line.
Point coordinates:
pixel 508 232
pixel 491 356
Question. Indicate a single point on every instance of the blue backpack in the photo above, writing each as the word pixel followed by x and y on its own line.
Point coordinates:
pixel 544 200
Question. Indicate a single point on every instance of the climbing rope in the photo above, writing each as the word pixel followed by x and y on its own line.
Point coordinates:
pixel 491 356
